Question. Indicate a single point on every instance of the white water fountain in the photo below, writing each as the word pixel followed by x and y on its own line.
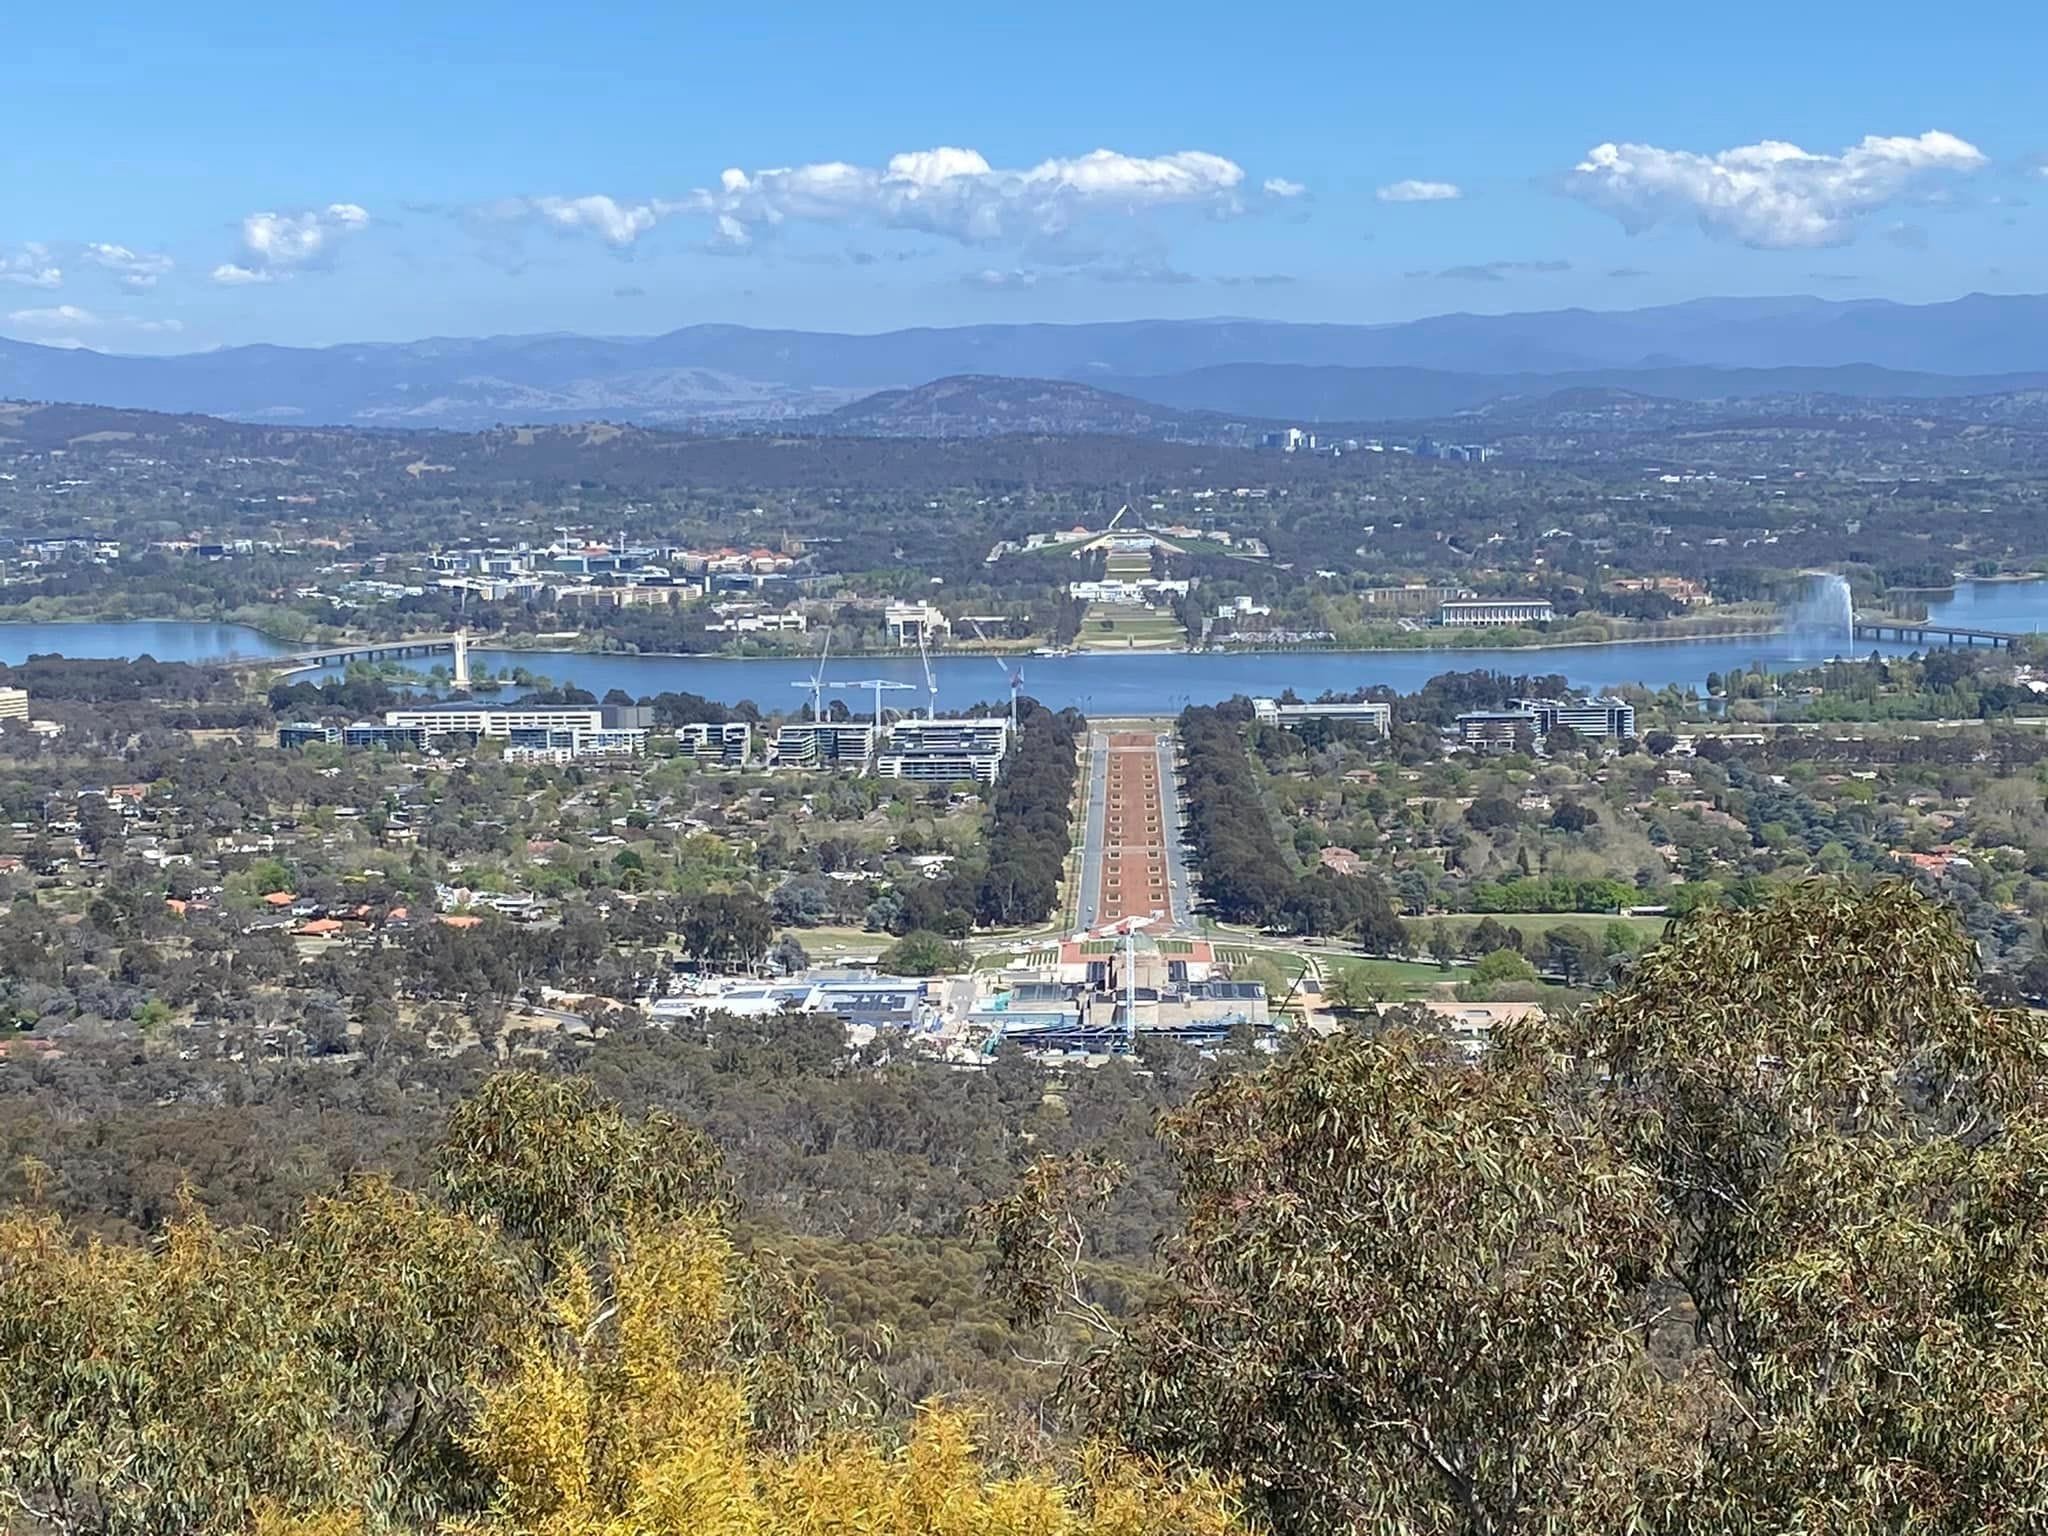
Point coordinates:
pixel 1824 617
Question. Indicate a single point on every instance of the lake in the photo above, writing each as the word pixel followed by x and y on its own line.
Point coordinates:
pixel 163 639
pixel 1101 684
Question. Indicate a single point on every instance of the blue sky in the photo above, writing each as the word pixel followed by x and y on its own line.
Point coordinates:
pixel 181 177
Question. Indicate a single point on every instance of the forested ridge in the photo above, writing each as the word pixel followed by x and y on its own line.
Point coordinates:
pixel 1756 1241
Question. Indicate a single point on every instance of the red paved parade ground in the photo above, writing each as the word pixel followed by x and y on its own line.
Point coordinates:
pixel 1133 882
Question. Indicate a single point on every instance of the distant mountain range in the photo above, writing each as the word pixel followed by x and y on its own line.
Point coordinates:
pixel 1706 349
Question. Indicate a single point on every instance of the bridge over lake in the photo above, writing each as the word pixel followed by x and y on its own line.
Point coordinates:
pixel 1923 631
pixel 455 646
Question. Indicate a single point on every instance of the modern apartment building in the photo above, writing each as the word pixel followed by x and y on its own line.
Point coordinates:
pixel 566 744
pixel 1500 730
pixel 945 751
pixel 1609 717
pixel 824 744
pixel 731 743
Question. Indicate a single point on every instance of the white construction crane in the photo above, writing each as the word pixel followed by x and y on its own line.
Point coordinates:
pixel 1011 674
pixel 878 684
pixel 931 684
pixel 816 685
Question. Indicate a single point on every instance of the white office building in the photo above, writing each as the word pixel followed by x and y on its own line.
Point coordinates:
pixel 945 751
pixel 486 720
pixel 731 743
pixel 563 744
pixel 1479 613
pixel 13 703
pixel 1378 715
pixel 911 622
pixel 1609 717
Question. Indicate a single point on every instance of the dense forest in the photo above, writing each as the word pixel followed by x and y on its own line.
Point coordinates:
pixel 1606 1278
pixel 1031 819
pixel 1246 878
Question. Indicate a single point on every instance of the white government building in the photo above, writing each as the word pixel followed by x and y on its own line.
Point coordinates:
pixel 1488 613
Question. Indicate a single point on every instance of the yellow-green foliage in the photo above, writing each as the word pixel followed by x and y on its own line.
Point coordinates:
pixel 622 1419
pixel 614 1367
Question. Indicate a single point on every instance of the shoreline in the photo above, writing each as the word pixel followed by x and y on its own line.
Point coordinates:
pixel 799 657
pixel 1020 655
pixel 1026 653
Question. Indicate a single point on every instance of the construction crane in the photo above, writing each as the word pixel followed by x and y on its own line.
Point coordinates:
pixel 878 684
pixel 931 684
pixel 816 684
pixel 1010 674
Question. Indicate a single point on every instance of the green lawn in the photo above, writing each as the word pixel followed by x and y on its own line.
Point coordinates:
pixel 1394 980
pixel 1128 628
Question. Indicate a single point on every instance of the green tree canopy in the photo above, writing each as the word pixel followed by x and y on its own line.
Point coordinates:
pixel 1756 1242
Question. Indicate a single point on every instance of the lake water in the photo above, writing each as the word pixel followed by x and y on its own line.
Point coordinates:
pixel 163 639
pixel 1101 684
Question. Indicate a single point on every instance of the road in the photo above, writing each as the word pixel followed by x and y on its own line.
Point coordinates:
pixel 1132 863
pixel 1179 892
pixel 1090 899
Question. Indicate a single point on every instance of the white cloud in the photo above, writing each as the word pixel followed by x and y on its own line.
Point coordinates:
pixel 1420 192
pixel 946 191
pixel 998 279
pixel 616 224
pixel 957 194
pixel 1280 186
pixel 57 317
pixel 278 244
pixel 71 319
pixel 1770 195
pixel 31 266
pixel 138 270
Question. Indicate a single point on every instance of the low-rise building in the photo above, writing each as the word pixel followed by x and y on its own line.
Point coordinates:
pixel 302 733
pixel 369 733
pixel 911 622
pixel 496 719
pixel 1606 716
pixel 1490 613
pixel 13 703
pixel 824 744
pixel 1532 720
pixel 1692 594
pixel 1372 712
pixel 1496 730
pixel 731 743
pixel 945 751
pixel 564 744
pixel 1126 593
pixel 737 619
